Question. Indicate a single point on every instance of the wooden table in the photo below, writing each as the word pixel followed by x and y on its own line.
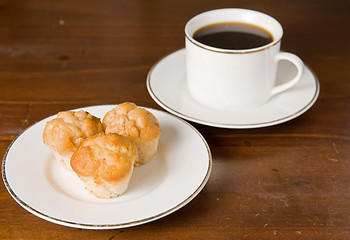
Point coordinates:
pixel 289 181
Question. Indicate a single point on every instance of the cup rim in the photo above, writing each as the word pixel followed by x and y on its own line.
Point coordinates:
pixel 233 51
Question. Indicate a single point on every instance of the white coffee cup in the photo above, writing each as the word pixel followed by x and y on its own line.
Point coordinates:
pixel 235 79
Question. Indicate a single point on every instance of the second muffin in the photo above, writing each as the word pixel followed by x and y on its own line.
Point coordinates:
pixel 137 124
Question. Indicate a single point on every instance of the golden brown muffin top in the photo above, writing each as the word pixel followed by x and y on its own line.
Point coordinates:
pixel 104 157
pixel 64 133
pixel 133 122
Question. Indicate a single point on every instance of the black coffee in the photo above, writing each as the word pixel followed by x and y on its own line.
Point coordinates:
pixel 233 36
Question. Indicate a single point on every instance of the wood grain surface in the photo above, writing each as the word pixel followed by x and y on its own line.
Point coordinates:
pixel 289 181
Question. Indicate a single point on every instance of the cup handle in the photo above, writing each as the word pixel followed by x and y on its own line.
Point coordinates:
pixel 300 68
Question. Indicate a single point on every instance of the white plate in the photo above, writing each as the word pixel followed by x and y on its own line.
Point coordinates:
pixel 166 83
pixel 169 181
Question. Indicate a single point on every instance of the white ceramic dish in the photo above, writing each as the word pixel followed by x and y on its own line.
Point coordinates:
pixel 166 83
pixel 173 178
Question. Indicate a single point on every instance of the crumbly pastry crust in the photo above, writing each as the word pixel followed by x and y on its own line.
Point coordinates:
pixel 137 124
pixel 64 134
pixel 105 162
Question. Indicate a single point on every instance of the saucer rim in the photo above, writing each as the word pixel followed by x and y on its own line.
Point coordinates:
pixel 231 125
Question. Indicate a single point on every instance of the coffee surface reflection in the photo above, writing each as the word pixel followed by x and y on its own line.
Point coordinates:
pixel 233 36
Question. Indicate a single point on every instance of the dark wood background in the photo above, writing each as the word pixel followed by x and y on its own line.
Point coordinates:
pixel 289 181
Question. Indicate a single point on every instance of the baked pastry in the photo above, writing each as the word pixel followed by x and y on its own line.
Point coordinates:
pixel 105 162
pixel 137 124
pixel 64 133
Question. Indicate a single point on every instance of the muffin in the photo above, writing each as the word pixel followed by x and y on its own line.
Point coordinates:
pixel 64 134
pixel 137 124
pixel 105 163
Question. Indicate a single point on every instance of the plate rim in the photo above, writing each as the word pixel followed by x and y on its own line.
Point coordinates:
pixel 230 125
pixel 63 222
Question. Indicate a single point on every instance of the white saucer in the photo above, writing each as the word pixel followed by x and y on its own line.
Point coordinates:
pixel 38 183
pixel 166 83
